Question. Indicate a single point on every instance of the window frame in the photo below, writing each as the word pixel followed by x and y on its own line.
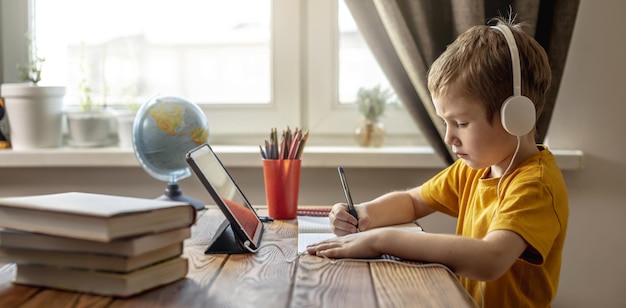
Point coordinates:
pixel 304 83
pixel 325 113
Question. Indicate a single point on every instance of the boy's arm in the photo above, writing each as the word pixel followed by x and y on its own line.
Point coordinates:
pixel 389 209
pixel 483 259
pixel 480 259
pixel 394 208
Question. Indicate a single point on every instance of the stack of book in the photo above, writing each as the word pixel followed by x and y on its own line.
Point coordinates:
pixel 93 243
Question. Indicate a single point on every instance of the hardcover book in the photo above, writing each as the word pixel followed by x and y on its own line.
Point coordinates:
pixel 89 261
pixel 102 282
pixel 96 217
pixel 127 247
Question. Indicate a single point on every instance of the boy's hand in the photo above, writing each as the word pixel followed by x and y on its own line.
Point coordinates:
pixel 357 245
pixel 342 223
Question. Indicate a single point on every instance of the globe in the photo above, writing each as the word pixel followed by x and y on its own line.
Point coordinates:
pixel 164 130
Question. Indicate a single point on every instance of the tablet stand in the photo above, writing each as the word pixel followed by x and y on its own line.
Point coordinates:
pixel 225 241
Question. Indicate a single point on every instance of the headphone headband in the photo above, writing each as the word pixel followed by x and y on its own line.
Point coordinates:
pixel 510 39
pixel 517 112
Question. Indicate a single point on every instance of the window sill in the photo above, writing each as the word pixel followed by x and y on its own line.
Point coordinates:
pixel 248 156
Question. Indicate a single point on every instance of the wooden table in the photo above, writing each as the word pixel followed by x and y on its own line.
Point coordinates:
pixel 264 279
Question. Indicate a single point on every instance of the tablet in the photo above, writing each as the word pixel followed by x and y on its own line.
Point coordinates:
pixel 244 229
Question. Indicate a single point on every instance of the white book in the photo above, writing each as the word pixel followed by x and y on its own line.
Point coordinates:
pixel 101 282
pixel 94 217
pixel 128 247
pixel 89 261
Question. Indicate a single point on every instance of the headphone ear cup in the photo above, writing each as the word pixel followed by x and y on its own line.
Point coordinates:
pixel 518 115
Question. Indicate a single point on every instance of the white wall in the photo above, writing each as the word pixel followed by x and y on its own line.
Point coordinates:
pixel 590 116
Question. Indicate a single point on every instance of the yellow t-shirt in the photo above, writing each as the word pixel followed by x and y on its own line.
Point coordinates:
pixel 533 204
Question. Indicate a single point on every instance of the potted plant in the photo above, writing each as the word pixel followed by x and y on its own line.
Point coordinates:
pixel 34 112
pixel 89 124
pixel 371 103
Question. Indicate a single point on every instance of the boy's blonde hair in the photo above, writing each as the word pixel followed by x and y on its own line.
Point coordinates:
pixel 478 65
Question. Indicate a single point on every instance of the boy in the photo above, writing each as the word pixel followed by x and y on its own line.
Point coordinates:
pixel 507 192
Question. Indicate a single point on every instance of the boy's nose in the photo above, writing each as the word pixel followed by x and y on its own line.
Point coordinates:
pixel 449 138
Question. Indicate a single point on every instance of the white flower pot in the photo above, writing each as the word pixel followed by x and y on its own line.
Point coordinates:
pixel 125 120
pixel 35 115
pixel 89 128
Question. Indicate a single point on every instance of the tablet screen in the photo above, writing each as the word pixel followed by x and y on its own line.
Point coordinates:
pixel 225 192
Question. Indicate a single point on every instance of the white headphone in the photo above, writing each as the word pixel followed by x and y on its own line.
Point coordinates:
pixel 518 112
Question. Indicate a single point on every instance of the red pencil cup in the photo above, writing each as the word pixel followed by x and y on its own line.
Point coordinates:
pixel 282 183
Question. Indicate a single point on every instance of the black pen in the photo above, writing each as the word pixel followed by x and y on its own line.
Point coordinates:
pixel 346 192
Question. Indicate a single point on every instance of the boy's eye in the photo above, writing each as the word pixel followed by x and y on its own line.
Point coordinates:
pixel 456 124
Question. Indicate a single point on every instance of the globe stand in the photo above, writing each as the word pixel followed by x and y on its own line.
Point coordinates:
pixel 174 193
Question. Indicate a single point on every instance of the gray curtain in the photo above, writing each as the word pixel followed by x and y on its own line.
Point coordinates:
pixel 406 36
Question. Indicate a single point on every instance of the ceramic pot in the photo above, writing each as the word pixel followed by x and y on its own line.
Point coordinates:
pixel 125 120
pixel 89 128
pixel 35 115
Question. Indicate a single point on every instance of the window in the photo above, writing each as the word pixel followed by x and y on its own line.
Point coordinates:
pixel 357 65
pixel 250 64
pixel 129 50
